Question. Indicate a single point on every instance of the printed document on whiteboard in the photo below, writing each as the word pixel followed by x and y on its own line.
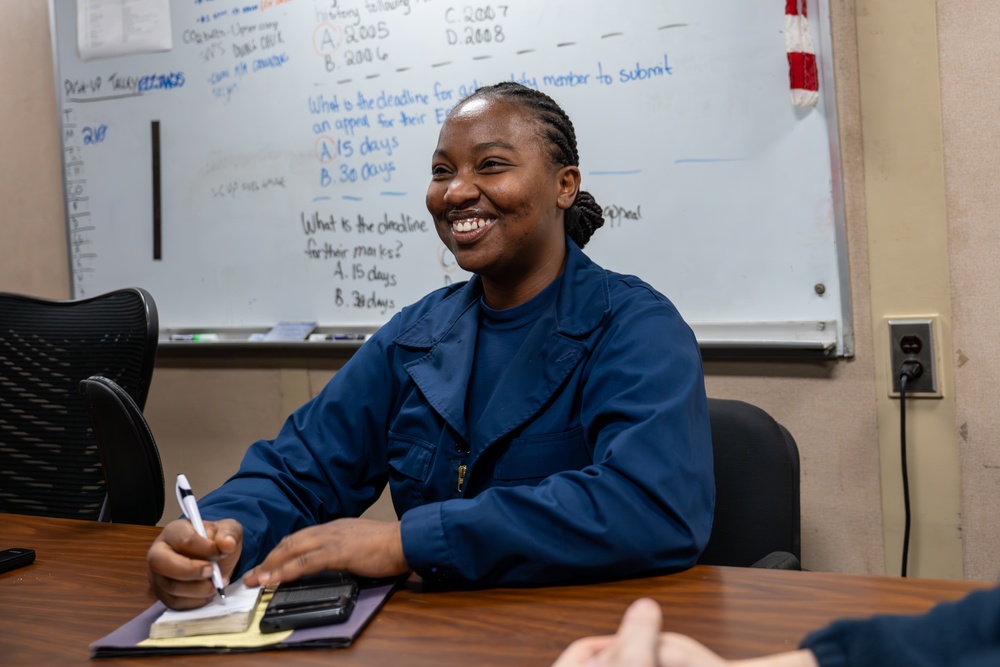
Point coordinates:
pixel 112 28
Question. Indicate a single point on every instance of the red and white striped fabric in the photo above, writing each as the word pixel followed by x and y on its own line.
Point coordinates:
pixel 801 55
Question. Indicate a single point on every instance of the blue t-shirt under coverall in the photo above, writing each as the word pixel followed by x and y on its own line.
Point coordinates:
pixel 591 459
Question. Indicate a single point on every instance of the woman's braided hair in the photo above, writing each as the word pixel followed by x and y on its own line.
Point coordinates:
pixel 585 215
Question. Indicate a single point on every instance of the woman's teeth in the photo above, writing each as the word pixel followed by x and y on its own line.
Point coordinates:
pixel 469 225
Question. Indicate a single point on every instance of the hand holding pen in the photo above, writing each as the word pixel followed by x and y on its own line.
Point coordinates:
pixel 189 505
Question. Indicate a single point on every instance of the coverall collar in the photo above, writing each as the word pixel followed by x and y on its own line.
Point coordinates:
pixel 555 345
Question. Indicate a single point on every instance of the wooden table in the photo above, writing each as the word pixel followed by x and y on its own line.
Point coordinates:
pixel 89 578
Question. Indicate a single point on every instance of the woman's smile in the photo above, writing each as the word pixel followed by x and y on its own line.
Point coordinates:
pixel 469 227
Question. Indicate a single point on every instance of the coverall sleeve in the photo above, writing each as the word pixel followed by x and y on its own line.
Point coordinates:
pixel 965 633
pixel 328 460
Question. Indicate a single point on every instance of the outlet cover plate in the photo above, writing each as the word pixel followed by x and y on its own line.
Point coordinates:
pixel 902 334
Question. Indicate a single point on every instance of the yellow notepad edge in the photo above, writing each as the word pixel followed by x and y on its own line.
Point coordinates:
pixel 252 637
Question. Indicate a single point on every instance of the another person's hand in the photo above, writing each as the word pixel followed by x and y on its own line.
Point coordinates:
pixel 639 643
pixel 360 546
pixel 681 651
pixel 179 561
pixel 635 645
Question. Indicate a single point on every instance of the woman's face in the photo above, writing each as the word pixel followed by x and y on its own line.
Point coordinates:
pixel 497 199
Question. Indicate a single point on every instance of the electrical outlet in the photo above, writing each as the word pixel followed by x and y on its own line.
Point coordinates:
pixel 913 340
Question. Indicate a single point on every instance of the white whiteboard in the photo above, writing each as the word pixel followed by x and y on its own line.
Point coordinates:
pixel 284 123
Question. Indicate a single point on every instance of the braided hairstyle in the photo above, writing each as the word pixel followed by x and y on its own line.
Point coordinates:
pixel 585 215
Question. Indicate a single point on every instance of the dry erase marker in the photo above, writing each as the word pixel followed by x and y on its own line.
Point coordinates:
pixel 189 505
pixel 340 336
pixel 205 337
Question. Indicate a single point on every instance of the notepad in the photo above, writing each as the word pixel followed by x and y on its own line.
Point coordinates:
pixel 217 617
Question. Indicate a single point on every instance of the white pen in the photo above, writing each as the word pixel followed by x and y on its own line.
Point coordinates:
pixel 189 505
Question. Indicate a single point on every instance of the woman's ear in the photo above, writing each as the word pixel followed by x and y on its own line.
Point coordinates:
pixel 569 185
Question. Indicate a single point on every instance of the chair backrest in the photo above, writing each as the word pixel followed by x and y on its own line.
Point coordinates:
pixel 49 462
pixel 756 486
pixel 133 473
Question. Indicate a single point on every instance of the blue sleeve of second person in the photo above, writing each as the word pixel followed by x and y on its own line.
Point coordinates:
pixel 965 633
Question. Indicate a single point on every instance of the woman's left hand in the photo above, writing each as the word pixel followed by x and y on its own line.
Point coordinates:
pixel 361 546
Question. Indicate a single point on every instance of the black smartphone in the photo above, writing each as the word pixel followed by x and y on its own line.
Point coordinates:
pixel 13 558
pixel 321 599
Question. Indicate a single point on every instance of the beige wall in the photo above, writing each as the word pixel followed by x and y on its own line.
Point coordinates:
pixel 33 252
pixel 916 126
pixel 970 100
pixel 909 269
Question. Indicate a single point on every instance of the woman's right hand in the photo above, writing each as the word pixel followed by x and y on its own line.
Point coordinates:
pixel 180 561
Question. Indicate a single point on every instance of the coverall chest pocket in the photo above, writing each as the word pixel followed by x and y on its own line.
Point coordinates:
pixel 531 459
pixel 409 467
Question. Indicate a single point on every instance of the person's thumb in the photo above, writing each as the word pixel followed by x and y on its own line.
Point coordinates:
pixel 638 636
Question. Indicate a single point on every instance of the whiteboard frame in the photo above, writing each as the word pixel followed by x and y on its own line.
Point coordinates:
pixel 815 340
pixel 828 83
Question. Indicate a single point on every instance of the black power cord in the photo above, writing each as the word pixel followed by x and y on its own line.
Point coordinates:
pixel 908 372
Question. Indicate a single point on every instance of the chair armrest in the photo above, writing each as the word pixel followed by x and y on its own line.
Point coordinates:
pixel 779 560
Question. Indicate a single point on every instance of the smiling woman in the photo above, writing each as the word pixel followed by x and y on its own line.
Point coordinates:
pixel 527 421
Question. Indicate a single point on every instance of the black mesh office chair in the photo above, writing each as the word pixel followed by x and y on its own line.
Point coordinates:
pixel 757 520
pixel 133 473
pixel 49 460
